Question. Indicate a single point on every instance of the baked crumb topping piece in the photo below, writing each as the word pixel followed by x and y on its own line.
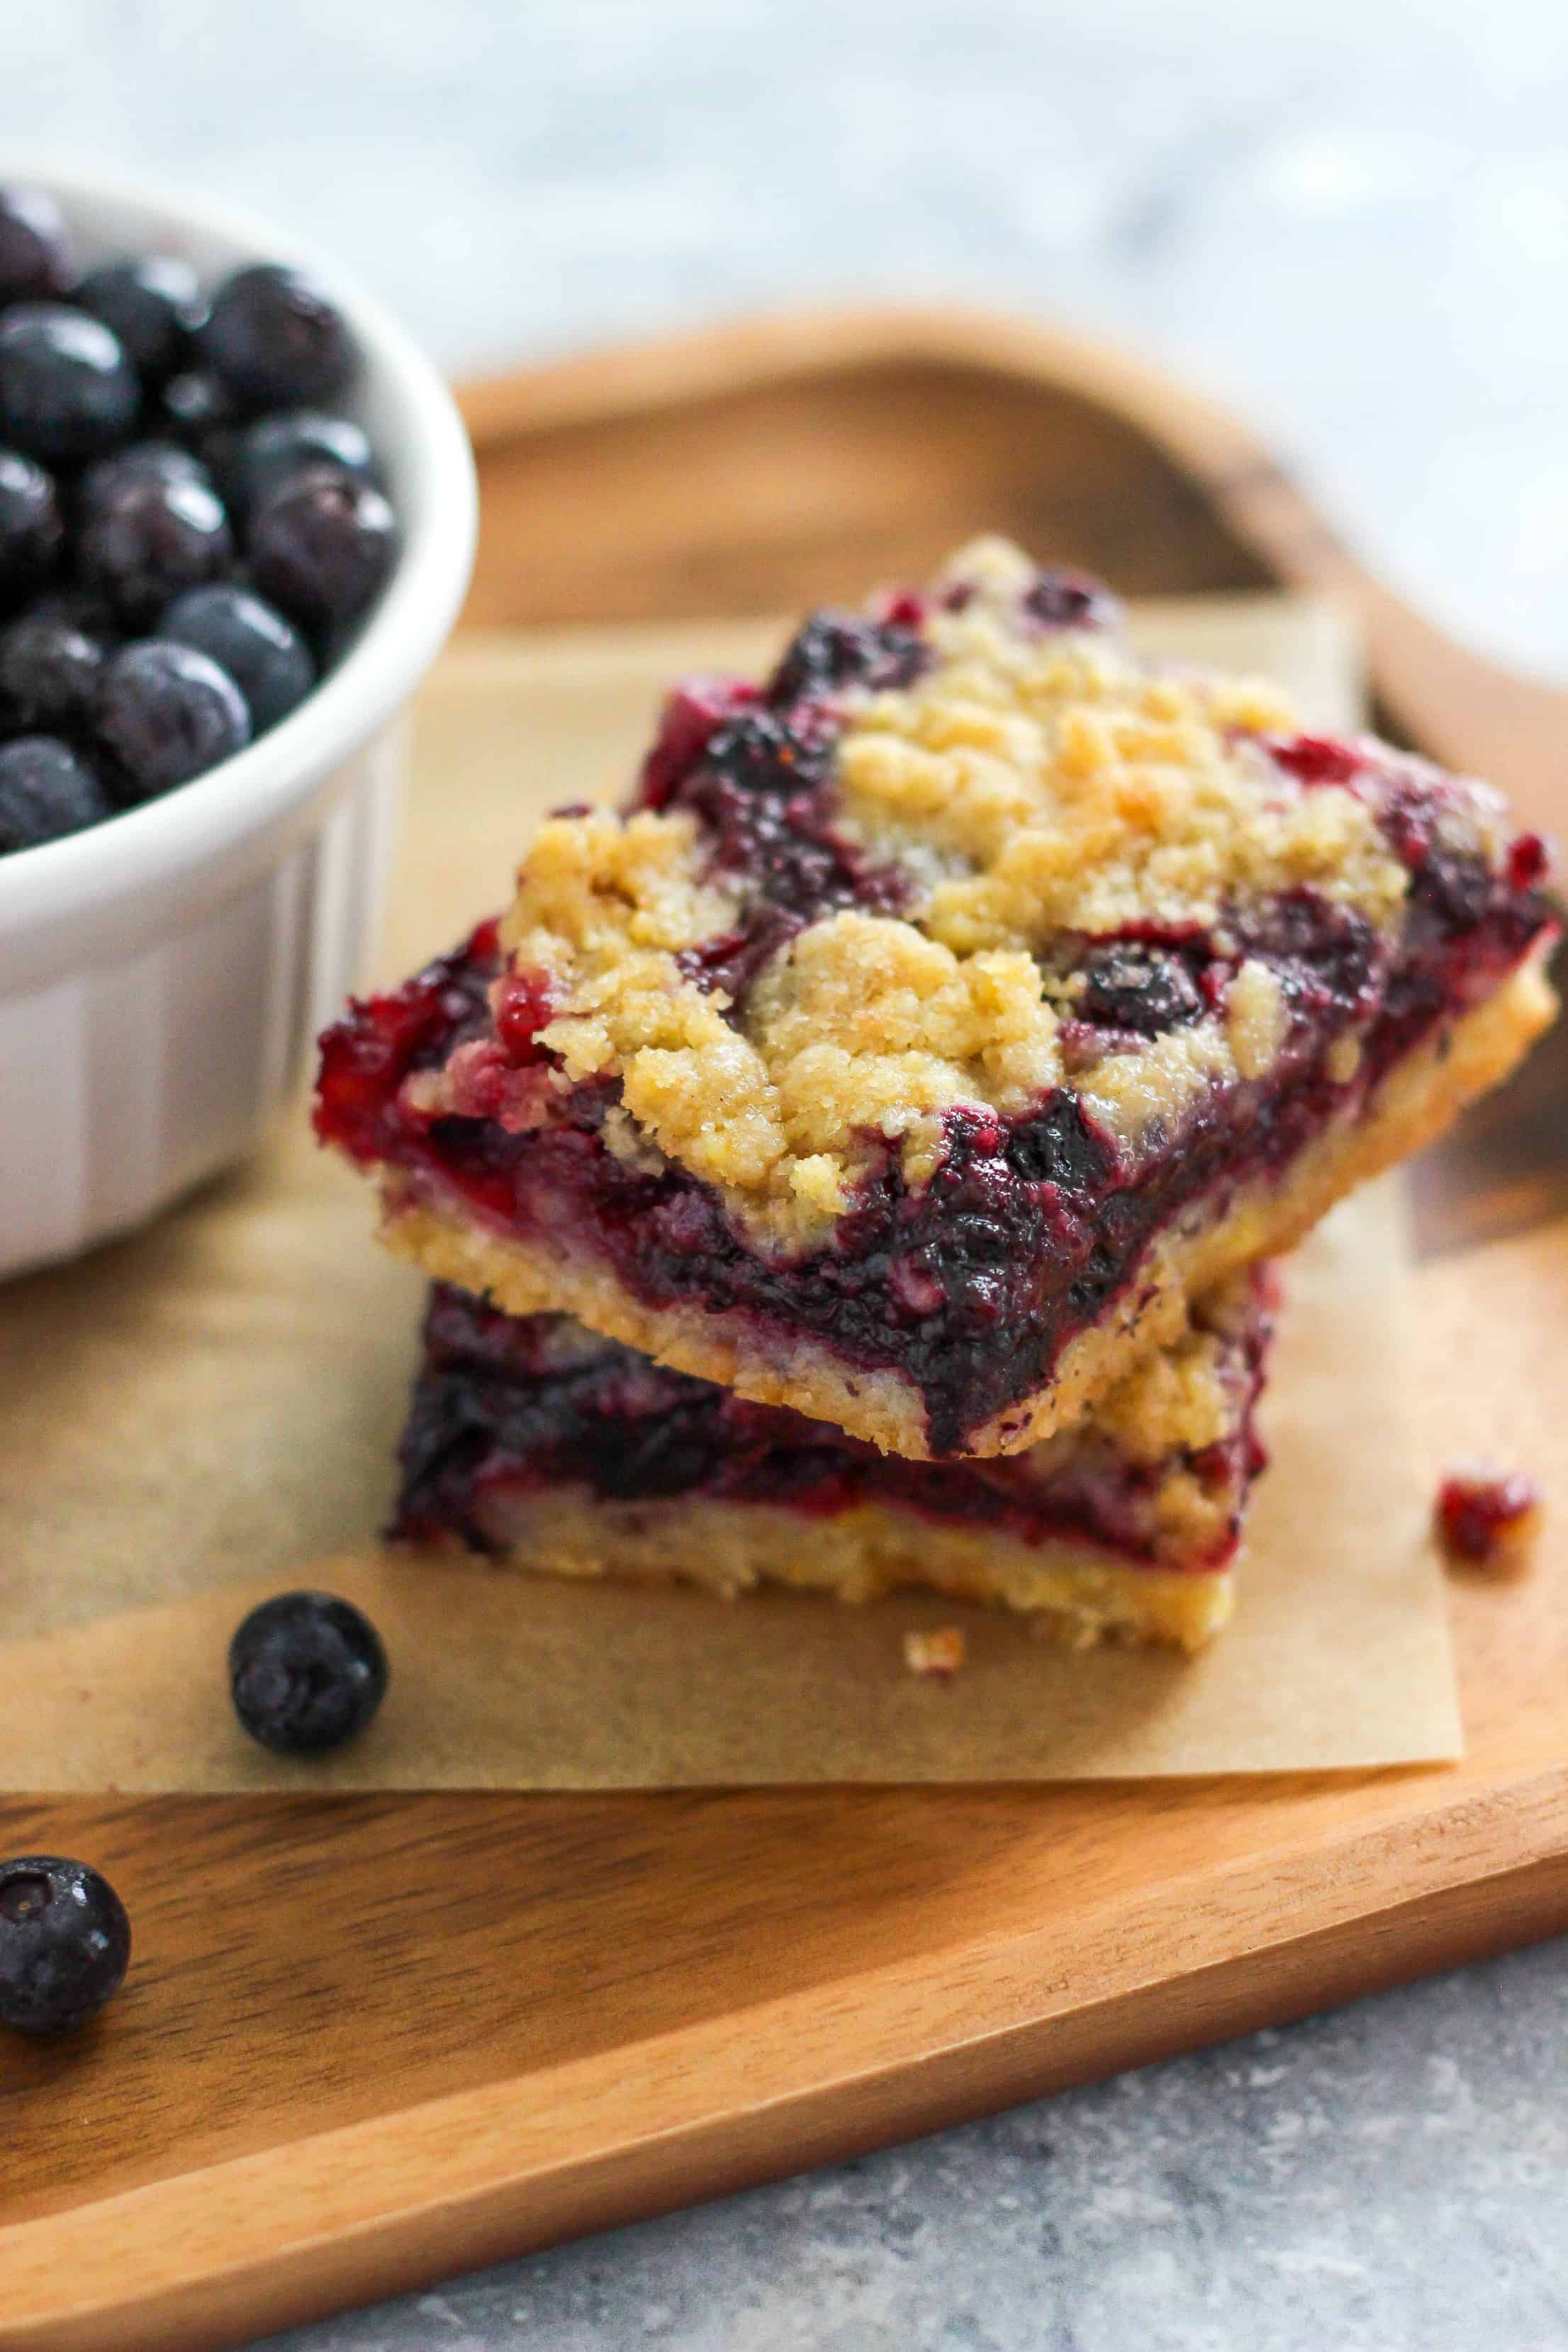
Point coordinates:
pixel 938 1655
pixel 920 988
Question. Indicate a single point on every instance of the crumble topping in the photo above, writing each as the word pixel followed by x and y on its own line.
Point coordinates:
pixel 1073 791
pixel 1036 789
pixel 915 871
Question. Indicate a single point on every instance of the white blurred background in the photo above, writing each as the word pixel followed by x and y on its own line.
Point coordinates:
pixel 1349 217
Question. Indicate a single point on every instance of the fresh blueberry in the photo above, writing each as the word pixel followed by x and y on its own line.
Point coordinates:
pixel 275 338
pixel 144 461
pixel 195 407
pixel 76 608
pixel 152 303
pixel 274 449
pixel 67 389
pixel 165 713
pixel 48 673
pixel 65 1944
pixel 149 540
pixel 46 791
pixel 31 532
pixel 321 546
pixel 32 245
pixel 307 1673
pixel 267 659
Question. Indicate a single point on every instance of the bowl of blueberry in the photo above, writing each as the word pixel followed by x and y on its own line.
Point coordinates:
pixel 237 523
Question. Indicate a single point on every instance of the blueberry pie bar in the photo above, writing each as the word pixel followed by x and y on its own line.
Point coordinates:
pixel 943 1015
pixel 537 1442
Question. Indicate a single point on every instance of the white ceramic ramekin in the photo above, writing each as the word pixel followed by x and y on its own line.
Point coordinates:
pixel 162 975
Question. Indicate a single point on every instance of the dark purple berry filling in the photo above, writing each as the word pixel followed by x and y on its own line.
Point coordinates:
pixel 754 770
pixel 502 1407
pixel 1070 600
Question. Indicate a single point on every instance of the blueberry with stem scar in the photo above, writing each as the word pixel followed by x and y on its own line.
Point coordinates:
pixel 65 1944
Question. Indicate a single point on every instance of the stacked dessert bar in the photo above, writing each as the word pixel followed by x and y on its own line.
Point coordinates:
pixel 854 1162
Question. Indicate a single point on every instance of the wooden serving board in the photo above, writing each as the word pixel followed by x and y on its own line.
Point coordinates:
pixel 372 2041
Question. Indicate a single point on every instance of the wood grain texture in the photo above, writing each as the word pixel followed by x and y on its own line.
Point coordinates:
pixel 370 2042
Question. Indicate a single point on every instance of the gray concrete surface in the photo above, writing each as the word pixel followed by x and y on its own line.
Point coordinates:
pixel 1351 217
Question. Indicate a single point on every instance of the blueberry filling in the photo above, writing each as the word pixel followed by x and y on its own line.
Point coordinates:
pixel 754 770
pixel 1139 988
pixel 500 1408
pixel 1070 600
pixel 834 650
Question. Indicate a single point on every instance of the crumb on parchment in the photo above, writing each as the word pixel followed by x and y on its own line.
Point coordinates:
pixel 938 1655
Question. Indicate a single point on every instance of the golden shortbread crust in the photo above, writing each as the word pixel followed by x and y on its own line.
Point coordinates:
pixel 731 1548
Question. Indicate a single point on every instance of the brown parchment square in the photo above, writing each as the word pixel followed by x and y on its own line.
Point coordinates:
pixel 205 1413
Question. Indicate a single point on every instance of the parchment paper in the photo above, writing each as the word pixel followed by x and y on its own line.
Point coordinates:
pixel 205 1413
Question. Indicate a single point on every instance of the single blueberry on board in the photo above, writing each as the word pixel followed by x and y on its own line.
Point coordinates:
pixel 64 1943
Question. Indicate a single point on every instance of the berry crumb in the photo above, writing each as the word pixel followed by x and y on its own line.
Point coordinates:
pixel 1488 1519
